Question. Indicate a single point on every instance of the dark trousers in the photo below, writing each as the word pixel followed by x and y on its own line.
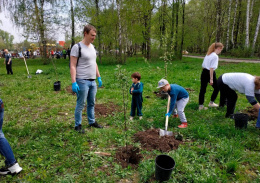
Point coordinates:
pixel 64 56
pixel 205 79
pixel 136 104
pixel 9 68
pixel 227 95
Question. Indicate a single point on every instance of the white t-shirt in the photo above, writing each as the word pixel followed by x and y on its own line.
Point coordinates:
pixel 210 61
pixel 242 82
pixel 86 68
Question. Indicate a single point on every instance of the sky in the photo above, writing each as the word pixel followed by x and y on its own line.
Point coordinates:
pixel 7 25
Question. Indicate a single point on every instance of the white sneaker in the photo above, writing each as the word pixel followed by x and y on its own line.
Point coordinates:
pixel 213 105
pixel 15 169
pixel 140 117
pixel 202 108
pixel 131 118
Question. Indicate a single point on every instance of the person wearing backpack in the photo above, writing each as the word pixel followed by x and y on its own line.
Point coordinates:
pixel 84 71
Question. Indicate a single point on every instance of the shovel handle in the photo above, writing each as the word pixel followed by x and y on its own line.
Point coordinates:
pixel 167 117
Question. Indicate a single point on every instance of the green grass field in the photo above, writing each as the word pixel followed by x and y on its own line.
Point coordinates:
pixel 49 150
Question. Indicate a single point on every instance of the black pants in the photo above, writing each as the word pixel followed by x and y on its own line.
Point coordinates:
pixel 9 68
pixel 227 95
pixel 137 102
pixel 205 79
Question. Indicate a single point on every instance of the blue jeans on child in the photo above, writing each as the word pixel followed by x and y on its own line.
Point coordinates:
pixel 87 93
pixel 258 120
pixel 5 148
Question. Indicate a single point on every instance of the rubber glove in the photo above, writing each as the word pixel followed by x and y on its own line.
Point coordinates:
pixel 75 87
pixel 168 114
pixel 99 82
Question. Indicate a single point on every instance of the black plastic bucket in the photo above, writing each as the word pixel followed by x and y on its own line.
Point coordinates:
pixel 57 86
pixel 241 120
pixel 164 165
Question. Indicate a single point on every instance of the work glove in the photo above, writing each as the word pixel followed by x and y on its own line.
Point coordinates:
pixel 168 114
pixel 75 87
pixel 99 82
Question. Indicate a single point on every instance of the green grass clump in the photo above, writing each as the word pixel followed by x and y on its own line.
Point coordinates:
pixel 49 150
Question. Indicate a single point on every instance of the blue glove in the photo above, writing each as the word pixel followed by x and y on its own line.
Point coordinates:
pixel 75 87
pixel 168 114
pixel 99 82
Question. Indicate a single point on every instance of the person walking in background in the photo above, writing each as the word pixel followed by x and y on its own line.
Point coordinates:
pixel 245 83
pixel 208 75
pixel 11 165
pixel 84 70
pixel 68 52
pixel 64 53
pixel 136 90
pixel 179 99
pixel 8 62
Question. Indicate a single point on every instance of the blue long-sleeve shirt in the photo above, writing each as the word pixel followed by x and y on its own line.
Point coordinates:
pixel 176 93
pixel 138 88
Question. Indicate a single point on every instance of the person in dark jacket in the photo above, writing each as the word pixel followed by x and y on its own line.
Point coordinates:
pixel 136 91
pixel 8 62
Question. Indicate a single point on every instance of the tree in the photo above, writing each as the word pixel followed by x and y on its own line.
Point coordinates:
pixel 72 23
pixel 229 13
pixel 247 24
pixel 256 31
pixel 6 39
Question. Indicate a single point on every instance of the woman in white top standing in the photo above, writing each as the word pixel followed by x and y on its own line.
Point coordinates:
pixel 208 75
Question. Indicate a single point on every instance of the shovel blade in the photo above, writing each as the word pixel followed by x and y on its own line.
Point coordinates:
pixel 165 132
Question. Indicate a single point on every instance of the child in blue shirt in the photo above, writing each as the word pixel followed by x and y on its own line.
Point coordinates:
pixel 136 90
pixel 179 99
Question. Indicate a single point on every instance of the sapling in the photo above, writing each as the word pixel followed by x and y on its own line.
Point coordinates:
pixel 122 78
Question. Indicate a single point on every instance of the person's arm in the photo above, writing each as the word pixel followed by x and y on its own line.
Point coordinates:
pixel 73 65
pixel 9 60
pixel 98 76
pixel 97 71
pixel 139 90
pixel 211 76
pixel 253 102
pixel 172 104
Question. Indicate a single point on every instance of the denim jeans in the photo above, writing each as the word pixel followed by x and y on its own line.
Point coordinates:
pixel 258 120
pixel 5 148
pixel 87 93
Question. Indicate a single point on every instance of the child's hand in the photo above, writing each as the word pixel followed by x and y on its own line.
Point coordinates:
pixel 132 89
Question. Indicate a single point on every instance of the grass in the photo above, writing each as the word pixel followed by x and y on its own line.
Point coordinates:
pixel 49 150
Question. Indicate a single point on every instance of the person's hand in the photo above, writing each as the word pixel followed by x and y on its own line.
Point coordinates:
pixel 211 82
pixel 99 82
pixel 75 87
pixel 168 114
pixel 132 88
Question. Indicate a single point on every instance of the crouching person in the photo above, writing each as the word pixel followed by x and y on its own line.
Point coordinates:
pixel 11 165
pixel 179 99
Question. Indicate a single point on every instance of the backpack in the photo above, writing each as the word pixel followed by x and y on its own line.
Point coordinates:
pixel 79 54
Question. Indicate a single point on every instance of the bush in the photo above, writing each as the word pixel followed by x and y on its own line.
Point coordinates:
pixel 241 52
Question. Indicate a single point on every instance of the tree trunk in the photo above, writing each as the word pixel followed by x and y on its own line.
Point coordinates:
pixel 256 32
pixel 176 27
pixel 237 23
pixel 119 32
pixel 162 21
pixel 218 34
pixel 233 26
pixel 72 24
pixel 229 12
pixel 183 21
pixel 172 26
pixel 247 24
pixel 98 32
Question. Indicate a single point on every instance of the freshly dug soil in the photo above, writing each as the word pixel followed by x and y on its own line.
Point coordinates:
pixel 252 113
pixel 160 94
pixel 150 140
pixel 129 156
pixel 189 89
pixel 106 109
pixel 69 90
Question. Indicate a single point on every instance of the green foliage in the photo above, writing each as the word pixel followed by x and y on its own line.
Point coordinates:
pixel 49 150
pixel 241 52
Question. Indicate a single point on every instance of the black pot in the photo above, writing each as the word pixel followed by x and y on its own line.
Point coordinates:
pixel 241 120
pixel 164 165
pixel 57 86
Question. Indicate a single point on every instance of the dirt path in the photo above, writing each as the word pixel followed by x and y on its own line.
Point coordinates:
pixel 227 59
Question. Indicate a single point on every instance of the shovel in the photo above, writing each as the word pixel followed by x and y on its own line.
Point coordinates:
pixel 29 76
pixel 165 132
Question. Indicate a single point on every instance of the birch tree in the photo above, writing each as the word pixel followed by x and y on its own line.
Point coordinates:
pixel 229 12
pixel 234 22
pixel 119 31
pixel 256 31
pixel 247 24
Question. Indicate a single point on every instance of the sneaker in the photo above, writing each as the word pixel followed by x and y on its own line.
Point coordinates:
pixel 140 117
pixel 183 125
pixel 131 118
pixel 213 104
pixel 175 116
pixel 79 129
pixel 202 108
pixel 96 125
pixel 13 169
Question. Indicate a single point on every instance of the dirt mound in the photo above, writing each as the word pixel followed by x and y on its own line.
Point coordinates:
pixel 129 156
pixel 189 89
pixel 69 90
pixel 106 109
pixel 252 113
pixel 150 140
pixel 161 94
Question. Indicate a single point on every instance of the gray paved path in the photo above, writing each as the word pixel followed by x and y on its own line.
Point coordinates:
pixel 227 59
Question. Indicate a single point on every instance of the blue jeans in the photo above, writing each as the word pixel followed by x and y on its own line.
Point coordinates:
pixel 258 120
pixel 5 148
pixel 87 93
